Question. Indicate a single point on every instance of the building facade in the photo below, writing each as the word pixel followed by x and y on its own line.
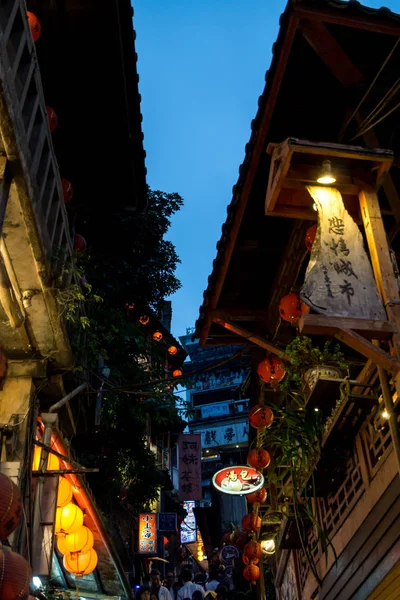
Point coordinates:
pixel 218 413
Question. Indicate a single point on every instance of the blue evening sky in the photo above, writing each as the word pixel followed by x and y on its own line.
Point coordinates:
pixel 201 66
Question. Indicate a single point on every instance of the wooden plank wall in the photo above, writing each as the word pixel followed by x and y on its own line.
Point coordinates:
pixel 372 553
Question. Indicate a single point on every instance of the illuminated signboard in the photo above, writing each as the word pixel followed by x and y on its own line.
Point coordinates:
pixel 147 533
pixel 238 480
pixel 188 526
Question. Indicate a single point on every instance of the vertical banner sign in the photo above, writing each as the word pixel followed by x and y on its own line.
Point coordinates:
pixel 189 446
pixel 188 525
pixel 147 533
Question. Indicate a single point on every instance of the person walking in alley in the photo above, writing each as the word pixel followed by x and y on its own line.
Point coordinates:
pixel 157 589
pixel 188 586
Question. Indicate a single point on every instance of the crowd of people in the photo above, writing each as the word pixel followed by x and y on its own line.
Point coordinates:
pixel 201 587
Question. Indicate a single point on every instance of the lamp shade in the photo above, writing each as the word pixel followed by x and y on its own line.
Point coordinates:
pixel 15 575
pixel 258 458
pixel 64 495
pixel 261 416
pixel 52 118
pixel 79 243
pixel 67 189
pixel 69 519
pixel 80 541
pixel 10 506
pixel 34 25
pixel 251 573
pixel 251 522
pixel 252 550
pixel 53 464
pixel 259 496
pixel 81 563
pixel 271 370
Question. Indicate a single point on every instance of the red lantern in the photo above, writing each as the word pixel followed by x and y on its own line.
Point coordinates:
pixel 34 25
pixel 261 416
pixel 271 370
pixel 310 236
pixel 144 319
pixel 52 118
pixel 251 523
pixel 252 550
pixel 249 561
pixel 79 243
pixel 258 458
pixel 259 496
pixel 10 506
pixel 177 373
pixel 251 573
pixel 68 190
pixel 291 308
pixel 15 575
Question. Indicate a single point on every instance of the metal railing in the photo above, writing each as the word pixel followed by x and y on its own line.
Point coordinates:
pixel 26 132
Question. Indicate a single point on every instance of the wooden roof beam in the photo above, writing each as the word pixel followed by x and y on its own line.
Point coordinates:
pixel 339 17
pixel 331 53
pixel 240 314
pixel 343 69
pixel 249 336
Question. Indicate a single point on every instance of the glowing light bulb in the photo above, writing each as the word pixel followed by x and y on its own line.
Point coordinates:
pixel 326 177
pixel 385 414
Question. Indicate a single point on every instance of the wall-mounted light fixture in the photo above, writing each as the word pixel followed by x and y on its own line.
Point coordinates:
pixel 326 176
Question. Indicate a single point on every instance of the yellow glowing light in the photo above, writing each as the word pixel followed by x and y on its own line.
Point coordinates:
pixel 268 546
pixel 68 519
pixel 80 541
pixel 64 495
pixel 81 563
pixel 53 464
pixel 385 414
pixel 326 177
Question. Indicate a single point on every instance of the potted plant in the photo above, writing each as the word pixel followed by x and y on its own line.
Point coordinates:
pixel 306 363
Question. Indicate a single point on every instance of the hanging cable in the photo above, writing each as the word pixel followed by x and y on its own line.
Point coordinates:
pixel 375 123
pixel 355 111
pixel 381 104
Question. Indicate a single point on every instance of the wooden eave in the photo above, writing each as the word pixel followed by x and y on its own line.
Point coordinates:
pixel 297 163
pixel 312 21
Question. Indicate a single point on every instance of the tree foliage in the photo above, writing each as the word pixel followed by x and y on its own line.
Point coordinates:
pixel 135 265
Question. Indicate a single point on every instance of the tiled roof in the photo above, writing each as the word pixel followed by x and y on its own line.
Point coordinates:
pixel 351 10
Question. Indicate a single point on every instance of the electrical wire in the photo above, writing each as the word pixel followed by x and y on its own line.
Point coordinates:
pixel 355 111
pixel 375 123
pixel 123 388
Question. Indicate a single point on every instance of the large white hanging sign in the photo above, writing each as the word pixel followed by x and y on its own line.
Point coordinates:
pixel 238 480
pixel 339 281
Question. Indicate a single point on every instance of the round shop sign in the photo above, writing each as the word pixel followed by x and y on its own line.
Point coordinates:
pixel 238 480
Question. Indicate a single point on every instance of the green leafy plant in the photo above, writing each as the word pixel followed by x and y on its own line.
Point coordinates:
pixel 294 440
pixel 301 355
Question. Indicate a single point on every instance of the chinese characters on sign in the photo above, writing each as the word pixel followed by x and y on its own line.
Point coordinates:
pixel 188 525
pixel 147 533
pixel 339 279
pixel 238 480
pixel 222 435
pixel 189 447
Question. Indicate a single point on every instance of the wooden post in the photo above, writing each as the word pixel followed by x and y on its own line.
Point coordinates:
pixel 388 290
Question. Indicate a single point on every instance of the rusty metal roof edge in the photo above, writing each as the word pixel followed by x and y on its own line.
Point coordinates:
pixel 353 7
